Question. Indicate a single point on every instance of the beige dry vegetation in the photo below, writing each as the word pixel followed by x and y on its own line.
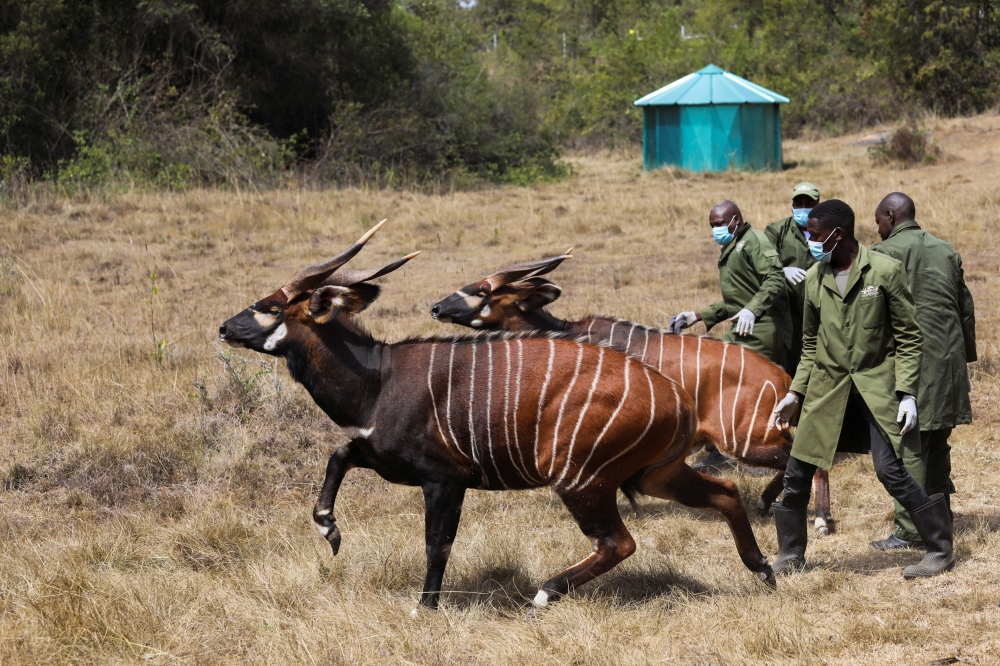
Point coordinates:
pixel 143 523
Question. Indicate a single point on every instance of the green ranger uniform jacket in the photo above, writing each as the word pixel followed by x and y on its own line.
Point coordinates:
pixel 793 250
pixel 750 276
pixel 947 320
pixel 868 339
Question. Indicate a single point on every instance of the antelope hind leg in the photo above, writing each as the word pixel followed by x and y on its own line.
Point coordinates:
pixel 600 521
pixel 442 512
pixel 700 491
pixel 824 519
pixel 340 462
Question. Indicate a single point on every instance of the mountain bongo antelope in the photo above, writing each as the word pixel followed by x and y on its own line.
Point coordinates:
pixel 488 411
pixel 734 389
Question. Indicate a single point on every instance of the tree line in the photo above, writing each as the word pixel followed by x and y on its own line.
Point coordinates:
pixel 177 93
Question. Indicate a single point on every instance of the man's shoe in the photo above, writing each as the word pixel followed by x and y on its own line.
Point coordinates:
pixel 933 522
pixel 791 525
pixel 895 543
pixel 714 461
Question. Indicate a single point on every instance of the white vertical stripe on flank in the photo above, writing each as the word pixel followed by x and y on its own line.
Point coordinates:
pixel 607 426
pixel 592 322
pixel 489 410
pixel 541 399
pixel 472 395
pixel 628 342
pixel 722 386
pixel 517 400
pixel 649 424
pixel 430 387
pixel 682 360
pixel 697 378
pixel 645 344
pixel 506 410
pixel 746 446
pixel 611 333
pixel 562 407
pixel 659 366
pixel 447 411
pixel 736 399
pixel 583 412
pixel 677 410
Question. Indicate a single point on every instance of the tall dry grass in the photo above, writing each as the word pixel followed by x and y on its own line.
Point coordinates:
pixel 158 511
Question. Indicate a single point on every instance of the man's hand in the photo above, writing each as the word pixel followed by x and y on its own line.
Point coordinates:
pixel 744 322
pixel 907 415
pixel 794 274
pixel 681 321
pixel 786 412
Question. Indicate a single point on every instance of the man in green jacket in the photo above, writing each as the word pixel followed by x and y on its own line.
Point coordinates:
pixel 753 294
pixel 947 319
pixel 789 239
pixel 857 381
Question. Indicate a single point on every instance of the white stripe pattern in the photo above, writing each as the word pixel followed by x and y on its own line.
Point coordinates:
pixel 722 388
pixel 736 399
pixel 541 399
pixel 472 395
pixel 562 407
pixel 583 413
pixel 607 426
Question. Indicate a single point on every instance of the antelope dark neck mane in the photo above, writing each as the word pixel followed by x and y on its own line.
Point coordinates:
pixel 341 367
pixel 542 320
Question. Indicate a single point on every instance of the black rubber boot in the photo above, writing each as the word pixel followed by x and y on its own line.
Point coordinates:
pixel 714 461
pixel 933 522
pixel 791 525
pixel 895 543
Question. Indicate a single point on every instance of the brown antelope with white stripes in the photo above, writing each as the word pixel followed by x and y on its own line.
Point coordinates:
pixel 488 411
pixel 734 389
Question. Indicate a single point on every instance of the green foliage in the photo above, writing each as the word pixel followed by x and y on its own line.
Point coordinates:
pixel 167 93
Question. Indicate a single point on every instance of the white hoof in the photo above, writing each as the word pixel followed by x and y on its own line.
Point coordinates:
pixel 822 527
pixel 541 599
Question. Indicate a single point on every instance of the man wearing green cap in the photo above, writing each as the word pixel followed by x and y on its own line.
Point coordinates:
pixel 947 319
pixel 753 295
pixel 790 239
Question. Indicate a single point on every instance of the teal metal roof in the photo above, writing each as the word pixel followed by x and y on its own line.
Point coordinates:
pixel 711 85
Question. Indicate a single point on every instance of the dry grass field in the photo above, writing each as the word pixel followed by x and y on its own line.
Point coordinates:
pixel 156 489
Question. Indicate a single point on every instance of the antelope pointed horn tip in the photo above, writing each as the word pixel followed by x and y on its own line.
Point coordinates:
pixel 371 232
pixel 412 255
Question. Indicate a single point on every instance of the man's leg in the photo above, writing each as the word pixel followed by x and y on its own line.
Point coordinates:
pixel 905 535
pixel 930 514
pixel 790 519
pixel 938 463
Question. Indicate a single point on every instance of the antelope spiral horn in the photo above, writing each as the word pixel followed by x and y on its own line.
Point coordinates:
pixel 351 278
pixel 311 276
pixel 528 269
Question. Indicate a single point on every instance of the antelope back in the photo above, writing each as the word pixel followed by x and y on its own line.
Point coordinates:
pixel 734 389
pixel 520 411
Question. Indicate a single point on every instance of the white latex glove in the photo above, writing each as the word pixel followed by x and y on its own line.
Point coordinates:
pixel 744 322
pixel 786 411
pixel 794 274
pixel 907 414
pixel 682 320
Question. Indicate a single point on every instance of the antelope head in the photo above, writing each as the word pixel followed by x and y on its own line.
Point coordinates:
pixel 502 300
pixel 315 296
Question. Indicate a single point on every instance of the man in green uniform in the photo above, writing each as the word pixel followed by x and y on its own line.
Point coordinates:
pixel 789 239
pixel 856 381
pixel 753 294
pixel 947 320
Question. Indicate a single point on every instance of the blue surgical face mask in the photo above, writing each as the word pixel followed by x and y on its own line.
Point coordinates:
pixel 722 235
pixel 816 249
pixel 801 216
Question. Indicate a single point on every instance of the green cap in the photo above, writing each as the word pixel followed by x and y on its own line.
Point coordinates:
pixel 807 189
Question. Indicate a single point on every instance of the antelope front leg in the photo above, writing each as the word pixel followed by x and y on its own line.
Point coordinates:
pixel 338 465
pixel 443 510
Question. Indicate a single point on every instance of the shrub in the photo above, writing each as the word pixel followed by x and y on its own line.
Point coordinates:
pixel 907 146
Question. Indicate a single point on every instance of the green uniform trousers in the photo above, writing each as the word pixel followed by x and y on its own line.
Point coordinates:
pixel 931 467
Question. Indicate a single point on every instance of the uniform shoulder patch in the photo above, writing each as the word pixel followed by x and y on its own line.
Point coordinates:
pixel 739 246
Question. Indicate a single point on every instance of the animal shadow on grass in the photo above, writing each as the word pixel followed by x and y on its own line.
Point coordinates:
pixel 655 508
pixel 508 588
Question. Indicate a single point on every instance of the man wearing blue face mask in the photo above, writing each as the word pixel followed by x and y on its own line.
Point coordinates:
pixel 857 383
pixel 789 238
pixel 753 294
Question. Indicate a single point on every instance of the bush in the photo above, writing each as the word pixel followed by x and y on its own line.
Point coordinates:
pixel 907 146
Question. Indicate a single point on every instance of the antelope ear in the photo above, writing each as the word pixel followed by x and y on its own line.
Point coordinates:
pixel 330 300
pixel 540 296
